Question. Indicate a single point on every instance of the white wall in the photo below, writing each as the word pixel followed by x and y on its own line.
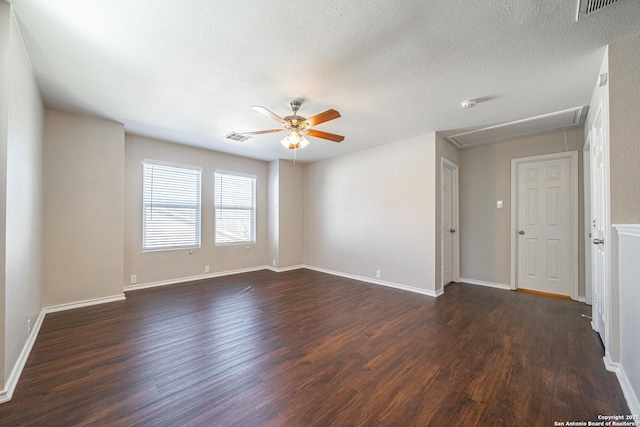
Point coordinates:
pixel 159 266
pixel 375 210
pixel 84 207
pixel 23 286
pixel 485 177
pixel 629 249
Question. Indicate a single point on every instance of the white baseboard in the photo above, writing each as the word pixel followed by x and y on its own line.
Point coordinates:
pixel 625 385
pixel 283 269
pixel 437 293
pixel 85 303
pixel 487 284
pixel 582 299
pixel 7 393
pixel 12 381
pixel 135 287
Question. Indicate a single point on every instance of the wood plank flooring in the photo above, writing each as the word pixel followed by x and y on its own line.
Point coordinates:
pixel 303 348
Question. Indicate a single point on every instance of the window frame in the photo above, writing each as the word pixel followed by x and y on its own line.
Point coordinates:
pixel 198 209
pixel 253 209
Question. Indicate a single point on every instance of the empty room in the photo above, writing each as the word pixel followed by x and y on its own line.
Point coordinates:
pixel 319 213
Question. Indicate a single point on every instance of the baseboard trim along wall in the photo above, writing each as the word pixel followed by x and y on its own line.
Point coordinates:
pixel 283 269
pixel 7 393
pixel 85 303
pixel 377 282
pixel 487 284
pixel 12 381
pixel 625 384
pixel 135 287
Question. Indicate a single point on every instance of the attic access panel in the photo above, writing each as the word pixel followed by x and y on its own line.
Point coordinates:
pixel 565 119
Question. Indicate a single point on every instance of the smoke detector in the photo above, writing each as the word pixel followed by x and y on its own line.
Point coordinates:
pixel 469 103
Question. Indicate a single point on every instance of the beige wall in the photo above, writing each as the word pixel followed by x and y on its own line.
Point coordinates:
pixel 23 292
pixel 83 205
pixel 485 177
pixel 5 43
pixel 273 207
pixel 286 214
pixel 150 267
pixel 624 93
pixel 291 214
pixel 624 163
pixel 375 210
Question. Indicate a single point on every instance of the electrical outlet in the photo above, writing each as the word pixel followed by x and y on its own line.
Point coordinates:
pixel 28 327
pixel 133 279
pixel 206 268
pixel 377 274
pixel 273 262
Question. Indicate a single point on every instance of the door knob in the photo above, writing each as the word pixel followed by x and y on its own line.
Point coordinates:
pixel 598 241
pixel 521 232
pixel 453 230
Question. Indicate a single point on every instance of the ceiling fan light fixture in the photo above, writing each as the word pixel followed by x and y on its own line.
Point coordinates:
pixel 294 140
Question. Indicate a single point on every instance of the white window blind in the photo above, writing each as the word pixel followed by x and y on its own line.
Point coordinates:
pixel 235 206
pixel 171 207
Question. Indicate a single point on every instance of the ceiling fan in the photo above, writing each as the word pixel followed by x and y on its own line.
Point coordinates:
pixel 298 126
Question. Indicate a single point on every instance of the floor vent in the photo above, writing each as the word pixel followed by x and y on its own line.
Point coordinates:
pixel 587 7
pixel 238 137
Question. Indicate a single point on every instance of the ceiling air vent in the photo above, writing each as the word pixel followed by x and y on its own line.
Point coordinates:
pixel 587 7
pixel 237 137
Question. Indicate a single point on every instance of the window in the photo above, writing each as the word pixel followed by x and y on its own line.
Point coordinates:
pixel 171 207
pixel 235 206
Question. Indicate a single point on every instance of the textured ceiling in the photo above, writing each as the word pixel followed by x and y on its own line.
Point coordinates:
pixel 189 71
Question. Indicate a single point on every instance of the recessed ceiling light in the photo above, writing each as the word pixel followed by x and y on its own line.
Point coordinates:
pixel 469 103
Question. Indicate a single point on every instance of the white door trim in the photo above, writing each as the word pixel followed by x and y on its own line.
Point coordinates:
pixel 455 221
pixel 586 168
pixel 573 157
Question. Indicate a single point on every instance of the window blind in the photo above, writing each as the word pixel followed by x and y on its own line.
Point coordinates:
pixel 171 207
pixel 235 208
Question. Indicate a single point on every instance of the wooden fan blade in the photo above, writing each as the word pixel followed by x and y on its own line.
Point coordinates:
pixel 324 135
pixel 269 114
pixel 260 132
pixel 321 118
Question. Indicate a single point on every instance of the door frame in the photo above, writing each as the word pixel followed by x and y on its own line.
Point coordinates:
pixel 609 235
pixel 586 168
pixel 573 157
pixel 455 221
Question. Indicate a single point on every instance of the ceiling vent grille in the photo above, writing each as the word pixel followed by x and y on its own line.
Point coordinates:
pixel 587 7
pixel 237 137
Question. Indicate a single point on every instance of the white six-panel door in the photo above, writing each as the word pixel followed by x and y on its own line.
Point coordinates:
pixel 598 224
pixel 544 224
pixel 449 219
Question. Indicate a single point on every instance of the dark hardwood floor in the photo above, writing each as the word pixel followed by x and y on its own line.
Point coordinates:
pixel 304 348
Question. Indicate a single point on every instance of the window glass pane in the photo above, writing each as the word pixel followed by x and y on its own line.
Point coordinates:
pixel 171 208
pixel 235 208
